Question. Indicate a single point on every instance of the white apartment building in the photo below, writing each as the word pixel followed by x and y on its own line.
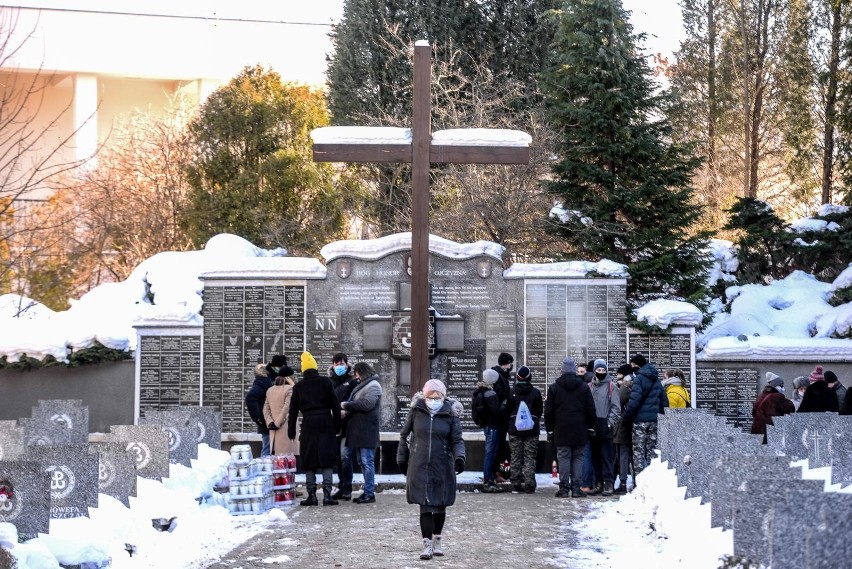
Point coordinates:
pixel 94 60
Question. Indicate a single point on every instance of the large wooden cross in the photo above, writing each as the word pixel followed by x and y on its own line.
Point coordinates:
pixel 462 146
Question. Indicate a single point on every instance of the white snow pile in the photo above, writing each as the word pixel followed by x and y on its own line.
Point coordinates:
pixel 830 208
pixel 665 313
pixel 565 269
pixel 200 535
pixel 809 224
pixel 559 212
pixel 786 319
pixel 481 137
pixel 725 263
pixel 163 288
pixel 372 249
pixel 361 135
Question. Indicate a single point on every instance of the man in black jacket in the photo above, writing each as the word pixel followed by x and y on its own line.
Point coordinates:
pixel 569 416
pixel 340 373
pixel 256 396
pixel 503 387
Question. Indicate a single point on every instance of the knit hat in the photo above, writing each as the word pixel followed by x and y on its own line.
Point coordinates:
pixel 775 382
pixel 600 363
pixel 830 377
pixel 490 376
pixel 800 382
pixel 437 385
pixel 639 360
pixel 568 365
pixel 504 359
pixel 590 365
pixel 816 374
pixel 260 370
pixel 524 374
pixel 625 370
pixel 308 362
pixel 770 376
pixel 278 360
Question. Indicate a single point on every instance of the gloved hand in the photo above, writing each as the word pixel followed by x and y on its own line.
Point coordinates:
pixel 403 467
pixel 271 426
pixel 459 467
pixel 550 437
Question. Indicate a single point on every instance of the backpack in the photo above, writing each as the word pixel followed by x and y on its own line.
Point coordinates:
pixel 524 420
pixel 479 409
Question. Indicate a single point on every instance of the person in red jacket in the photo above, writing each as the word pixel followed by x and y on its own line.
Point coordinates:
pixel 770 403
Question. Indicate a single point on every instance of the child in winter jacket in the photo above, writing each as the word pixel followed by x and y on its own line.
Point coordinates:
pixel 675 384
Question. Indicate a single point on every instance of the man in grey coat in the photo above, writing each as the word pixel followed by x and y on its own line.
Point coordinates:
pixel 363 410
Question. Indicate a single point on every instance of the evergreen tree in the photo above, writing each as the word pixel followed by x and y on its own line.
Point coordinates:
pixel 617 167
pixel 252 173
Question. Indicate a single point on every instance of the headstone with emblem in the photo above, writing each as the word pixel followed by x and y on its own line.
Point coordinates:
pixel 25 497
pixel 208 423
pixel 147 444
pixel 182 431
pixel 11 440
pixel 116 471
pixel 57 422
pixel 808 436
pixel 73 473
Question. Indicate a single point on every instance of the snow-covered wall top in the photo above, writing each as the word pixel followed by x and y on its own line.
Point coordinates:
pixel 666 313
pixel 372 249
pixel 398 135
pixel 268 267
pixel 565 269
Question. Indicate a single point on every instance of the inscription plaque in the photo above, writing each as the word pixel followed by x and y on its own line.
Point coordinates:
pixel 169 372
pixel 728 392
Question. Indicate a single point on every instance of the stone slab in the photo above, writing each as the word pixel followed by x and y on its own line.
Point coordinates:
pixel 116 471
pixel 73 472
pixel 148 444
pixel 11 440
pixel 28 509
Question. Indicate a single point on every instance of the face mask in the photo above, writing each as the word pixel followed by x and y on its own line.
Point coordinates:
pixel 780 389
pixel 510 367
pixel 434 404
pixel 600 375
pixel 276 369
pixel 340 370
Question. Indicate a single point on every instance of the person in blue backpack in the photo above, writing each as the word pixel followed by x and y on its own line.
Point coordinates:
pixel 525 406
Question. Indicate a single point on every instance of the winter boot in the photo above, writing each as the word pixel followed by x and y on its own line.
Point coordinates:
pixel 607 489
pixel 595 490
pixel 437 546
pixel 427 549
pixel 311 500
pixel 342 494
pixel 327 498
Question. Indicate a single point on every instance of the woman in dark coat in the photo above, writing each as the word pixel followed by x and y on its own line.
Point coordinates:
pixel 430 460
pixel 770 403
pixel 363 411
pixel 314 398
pixel 818 397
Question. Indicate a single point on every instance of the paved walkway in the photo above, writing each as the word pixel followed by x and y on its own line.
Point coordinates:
pixel 482 530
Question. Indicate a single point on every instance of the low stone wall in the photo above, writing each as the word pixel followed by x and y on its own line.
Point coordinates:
pixel 107 389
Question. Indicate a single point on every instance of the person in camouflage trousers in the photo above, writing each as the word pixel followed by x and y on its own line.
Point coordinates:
pixel 647 400
pixel 523 444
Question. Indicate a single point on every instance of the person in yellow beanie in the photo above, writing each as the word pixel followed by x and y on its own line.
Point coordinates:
pixel 314 398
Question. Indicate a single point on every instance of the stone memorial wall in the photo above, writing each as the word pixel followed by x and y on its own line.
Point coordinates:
pixel 169 369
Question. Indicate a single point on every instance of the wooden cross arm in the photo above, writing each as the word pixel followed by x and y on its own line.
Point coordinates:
pixel 438 153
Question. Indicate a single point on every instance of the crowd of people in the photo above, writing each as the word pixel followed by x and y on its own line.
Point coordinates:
pixel 818 392
pixel 602 430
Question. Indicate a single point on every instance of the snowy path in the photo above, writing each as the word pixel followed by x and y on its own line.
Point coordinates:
pixel 483 530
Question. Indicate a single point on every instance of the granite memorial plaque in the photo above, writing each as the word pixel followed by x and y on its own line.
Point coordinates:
pixel 73 473
pixel 463 373
pixel 116 471
pixel 665 351
pixel 324 337
pixel 11 440
pixel 501 335
pixel 583 319
pixel 728 392
pixel 147 444
pixel 181 430
pixel 26 503
pixel 169 371
pixel 57 422
pixel 244 326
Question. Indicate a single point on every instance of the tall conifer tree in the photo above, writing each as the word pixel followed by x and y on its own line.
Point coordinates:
pixel 624 184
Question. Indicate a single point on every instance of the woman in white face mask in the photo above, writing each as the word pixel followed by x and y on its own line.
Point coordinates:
pixel 433 434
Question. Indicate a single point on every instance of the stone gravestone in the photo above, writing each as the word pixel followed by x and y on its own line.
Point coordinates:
pixel 706 449
pixel 675 422
pixel 11 440
pixel 116 471
pixel 27 497
pixel 755 502
pixel 841 459
pixel 57 422
pixel 73 473
pixel 810 530
pixel 149 446
pixel 727 474
pixel 182 432
pixel 209 423
pixel 808 436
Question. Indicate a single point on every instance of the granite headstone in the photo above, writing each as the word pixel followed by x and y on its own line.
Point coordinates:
pixel 149 446
pixel 11 440
pixel 73 473
pixel 182 430
pixel 27 497
pixel 730 470
pixel 57 422
pixel 116 471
